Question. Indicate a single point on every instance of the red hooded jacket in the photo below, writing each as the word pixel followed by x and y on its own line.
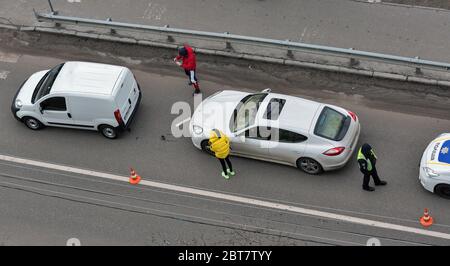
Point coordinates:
pixel 189 61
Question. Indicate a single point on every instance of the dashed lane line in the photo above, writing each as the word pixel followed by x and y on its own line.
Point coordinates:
pixel 4 74
pixel 233 198
pixel 9 57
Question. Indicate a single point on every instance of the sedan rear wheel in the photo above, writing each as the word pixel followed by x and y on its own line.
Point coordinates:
pixel 443 190
pixel 309 166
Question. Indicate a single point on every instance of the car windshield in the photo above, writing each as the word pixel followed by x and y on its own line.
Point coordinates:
pixel 45 84
pixel 332 124
pixel 245 113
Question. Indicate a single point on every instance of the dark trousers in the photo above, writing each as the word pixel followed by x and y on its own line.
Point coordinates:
pixel 374 174
pixel 224 165
pixel 188 73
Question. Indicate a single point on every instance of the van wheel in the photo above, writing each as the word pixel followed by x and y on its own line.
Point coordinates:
pixel 443 190
pixel 32 123
pixel 108 132
pixel 205 147
pixel 309 166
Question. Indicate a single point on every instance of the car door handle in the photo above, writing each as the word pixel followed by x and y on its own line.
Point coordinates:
pixel 69 115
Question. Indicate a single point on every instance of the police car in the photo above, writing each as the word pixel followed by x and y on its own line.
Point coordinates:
pixel 435 166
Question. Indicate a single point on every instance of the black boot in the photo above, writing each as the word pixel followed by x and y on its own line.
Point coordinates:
pixel 368 188
pixel 381 183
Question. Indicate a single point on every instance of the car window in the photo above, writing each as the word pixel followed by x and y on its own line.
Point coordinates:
pixel 290 137
pixel 274 134
pixel 274 108
pixel 332 124
pixel 261 133
pixel 245 113
pixel 54 104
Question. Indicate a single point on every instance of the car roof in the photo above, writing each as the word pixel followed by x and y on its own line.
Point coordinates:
pixel 297 113
pixel 85 77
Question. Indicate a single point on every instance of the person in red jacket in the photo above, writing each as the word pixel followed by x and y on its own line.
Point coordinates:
pixel 187 55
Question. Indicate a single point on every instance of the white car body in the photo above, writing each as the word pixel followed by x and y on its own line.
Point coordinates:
pixel 88 96
pixel 435 165
pixel 297 116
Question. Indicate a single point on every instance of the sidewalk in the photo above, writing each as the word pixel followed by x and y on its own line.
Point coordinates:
pixel 376 27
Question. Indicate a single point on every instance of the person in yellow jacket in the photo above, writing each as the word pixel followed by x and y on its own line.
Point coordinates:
pixel 219 144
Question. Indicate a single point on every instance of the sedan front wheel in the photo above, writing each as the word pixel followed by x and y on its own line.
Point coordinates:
pixel 443 190
pixel 205 147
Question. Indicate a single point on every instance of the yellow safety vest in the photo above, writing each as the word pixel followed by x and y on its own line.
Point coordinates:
pixel 219 144
pixel 362 157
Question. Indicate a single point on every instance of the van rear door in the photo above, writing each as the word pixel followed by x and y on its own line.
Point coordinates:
pixel 127 96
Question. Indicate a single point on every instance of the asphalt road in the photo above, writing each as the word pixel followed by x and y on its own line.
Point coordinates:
pixel 40 207
pixel 376 27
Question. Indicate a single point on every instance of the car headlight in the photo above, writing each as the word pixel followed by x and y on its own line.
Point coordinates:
pixel 18 104
pixel 430 172
pixel 197 130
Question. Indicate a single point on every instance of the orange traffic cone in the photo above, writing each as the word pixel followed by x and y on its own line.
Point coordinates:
pixel 426 220
pixel 134 178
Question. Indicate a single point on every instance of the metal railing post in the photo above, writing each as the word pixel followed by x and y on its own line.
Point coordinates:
pixel 227 43
pixel 289 53
pixel 51 8
pixel 418 70
pixel 353 61
pixel 112 31
pixel 169 37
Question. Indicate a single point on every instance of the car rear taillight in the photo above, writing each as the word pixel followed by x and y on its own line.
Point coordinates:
pixel 334 151
pixel 118 117
pixel 353 115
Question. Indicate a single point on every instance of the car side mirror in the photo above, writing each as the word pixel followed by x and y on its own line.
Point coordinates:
pixel 268 90
pixel 41 109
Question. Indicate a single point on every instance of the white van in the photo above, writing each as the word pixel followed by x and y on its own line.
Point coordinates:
pixel 79 95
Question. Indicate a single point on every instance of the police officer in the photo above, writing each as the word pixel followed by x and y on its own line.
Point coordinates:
pixel 367 161
pixel 220 146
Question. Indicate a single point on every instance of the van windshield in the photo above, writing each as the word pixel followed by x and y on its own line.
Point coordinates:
pixel 45 84
pixel 332 124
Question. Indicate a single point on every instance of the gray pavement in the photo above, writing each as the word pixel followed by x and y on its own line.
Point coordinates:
pixel 377 27
pixel 398 121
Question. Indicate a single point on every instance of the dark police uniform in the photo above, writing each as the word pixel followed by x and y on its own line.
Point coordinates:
pixel 367 161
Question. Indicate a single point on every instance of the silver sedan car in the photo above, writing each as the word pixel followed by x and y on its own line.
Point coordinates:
pixel 312 136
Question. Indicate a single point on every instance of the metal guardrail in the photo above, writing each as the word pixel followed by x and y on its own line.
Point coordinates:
pixel 228 38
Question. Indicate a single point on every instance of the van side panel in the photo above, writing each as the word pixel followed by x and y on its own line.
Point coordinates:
pixel 88 111
pixel 126 95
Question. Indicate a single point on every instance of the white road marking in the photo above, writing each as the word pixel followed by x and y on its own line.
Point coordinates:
pixel 154 11
pixel 9 57
pixel 303 34
pixel 182 122
pixel 4 74
pixel 228 197
pixel 74 1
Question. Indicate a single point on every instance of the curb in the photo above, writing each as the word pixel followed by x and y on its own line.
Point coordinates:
pixel 266 59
